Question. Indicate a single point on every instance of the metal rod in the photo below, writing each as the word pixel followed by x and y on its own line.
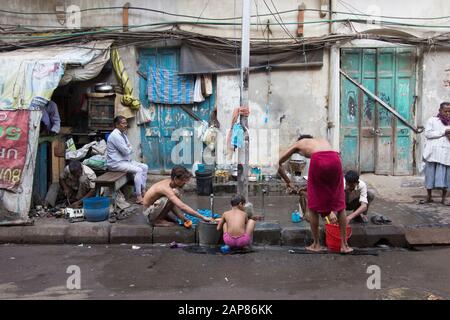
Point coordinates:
pixel 263 211
pixel 211 200
pixel 243 154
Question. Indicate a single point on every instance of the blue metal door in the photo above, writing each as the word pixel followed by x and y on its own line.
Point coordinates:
pixel 159 143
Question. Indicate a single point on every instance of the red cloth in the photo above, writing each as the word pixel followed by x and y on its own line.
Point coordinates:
pixel 326 183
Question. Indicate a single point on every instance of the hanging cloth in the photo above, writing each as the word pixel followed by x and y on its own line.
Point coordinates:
pixel 237 136
pixel 167 87
pixel 198 96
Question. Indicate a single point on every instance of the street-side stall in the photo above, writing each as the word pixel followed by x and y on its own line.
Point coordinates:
pixel 29 77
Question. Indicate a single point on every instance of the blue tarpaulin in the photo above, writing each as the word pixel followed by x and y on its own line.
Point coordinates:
pixel 167 87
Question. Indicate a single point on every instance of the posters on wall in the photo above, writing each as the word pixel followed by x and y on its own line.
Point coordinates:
pixel 14 129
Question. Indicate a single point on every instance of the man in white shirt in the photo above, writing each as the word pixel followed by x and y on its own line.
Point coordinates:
pixel 357 197
pixel 118 157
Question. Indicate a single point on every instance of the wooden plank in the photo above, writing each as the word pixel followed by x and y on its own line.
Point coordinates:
pixel 58 162
pixel 301 19
pixel 110 177
pixel 125 16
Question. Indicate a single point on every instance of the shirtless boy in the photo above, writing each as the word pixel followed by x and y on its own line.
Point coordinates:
pixel 237 227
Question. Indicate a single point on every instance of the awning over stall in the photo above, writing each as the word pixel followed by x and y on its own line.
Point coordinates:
pixel 25 74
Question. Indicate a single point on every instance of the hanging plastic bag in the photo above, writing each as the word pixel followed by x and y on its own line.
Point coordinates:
pixel 143 116
pixel 201 129
pixel 210 136
pixel 237 136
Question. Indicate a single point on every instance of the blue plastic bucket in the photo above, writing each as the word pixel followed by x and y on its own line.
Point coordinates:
pixel 96 208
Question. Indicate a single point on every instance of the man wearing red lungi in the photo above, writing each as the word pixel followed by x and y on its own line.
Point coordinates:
pixel 325 188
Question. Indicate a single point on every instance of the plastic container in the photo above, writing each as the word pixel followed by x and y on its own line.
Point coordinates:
pixel 96 208
pixel 333 236
pixel 225 249
pixel 296 217
pixel 201 167
pixel 208 234
pixel 204 182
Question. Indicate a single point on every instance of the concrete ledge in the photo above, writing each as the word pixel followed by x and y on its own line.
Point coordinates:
pixel 87 232
pixel 393 234
pixel 131 234
pixel 44 234
pixel 427 236
pixel 169 234
pixel 296 236
pixel 267 233
pixel 11 234
pixel 358 238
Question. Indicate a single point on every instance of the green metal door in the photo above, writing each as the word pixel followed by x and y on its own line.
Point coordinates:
pixel 371 138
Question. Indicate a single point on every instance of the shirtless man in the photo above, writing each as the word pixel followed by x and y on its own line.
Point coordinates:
pixel 164 197
pixel 325 189
pixel 237 227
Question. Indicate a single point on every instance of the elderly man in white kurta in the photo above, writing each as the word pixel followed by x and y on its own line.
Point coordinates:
pixel 436 153
pixel 118 157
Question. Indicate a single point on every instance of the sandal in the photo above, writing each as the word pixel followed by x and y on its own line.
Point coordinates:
pixel 112 218
pixel 122 215
pixel 386 220
pixel 376 219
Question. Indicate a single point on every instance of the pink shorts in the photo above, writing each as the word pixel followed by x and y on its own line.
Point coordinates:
pixel 236 242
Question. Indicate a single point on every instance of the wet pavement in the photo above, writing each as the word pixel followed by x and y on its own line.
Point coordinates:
pixel 158 272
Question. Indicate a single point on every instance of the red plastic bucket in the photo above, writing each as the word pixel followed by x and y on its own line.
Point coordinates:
pixel 333 236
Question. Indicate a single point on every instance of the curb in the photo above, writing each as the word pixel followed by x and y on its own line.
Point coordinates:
pixel 266 233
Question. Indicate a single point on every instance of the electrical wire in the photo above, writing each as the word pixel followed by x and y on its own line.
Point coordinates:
pixel 218 19
pixel 174 23
pixel 283 27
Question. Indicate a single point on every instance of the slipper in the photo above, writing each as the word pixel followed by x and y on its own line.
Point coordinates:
pixel 425 201
pixel 376 219
pixel 122 214
pixel 386 220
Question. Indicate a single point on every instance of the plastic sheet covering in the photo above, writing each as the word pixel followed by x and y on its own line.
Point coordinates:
pixel 27 73
pixel 195 60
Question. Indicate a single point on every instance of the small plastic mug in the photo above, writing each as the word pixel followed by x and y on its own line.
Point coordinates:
pixel 296 217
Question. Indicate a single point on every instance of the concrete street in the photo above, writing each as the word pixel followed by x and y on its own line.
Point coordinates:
pixel 158 272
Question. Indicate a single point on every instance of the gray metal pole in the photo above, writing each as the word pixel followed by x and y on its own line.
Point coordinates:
pixel 243 155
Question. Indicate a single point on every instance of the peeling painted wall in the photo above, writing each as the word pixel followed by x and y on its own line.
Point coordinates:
pixel 435 87
pixel 297 104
